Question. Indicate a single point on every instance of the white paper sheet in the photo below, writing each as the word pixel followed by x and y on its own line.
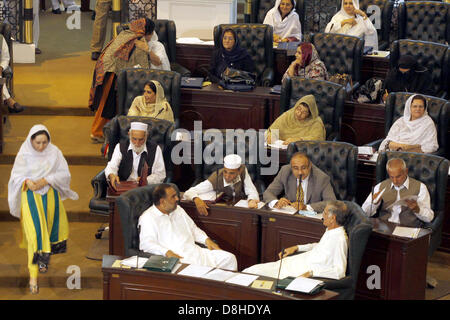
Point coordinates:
pixel 132 261
pixel 406 232
pixel 175 269
pixel 219 275
pixel 287 209
pixel 277 144
pixel 402 202
pixel 302 284
pixel 195 271
pixel 242 279
pixel 190 40
pixel 244 204
pixel 365 150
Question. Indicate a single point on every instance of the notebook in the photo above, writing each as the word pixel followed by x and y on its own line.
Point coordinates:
pixel 160 263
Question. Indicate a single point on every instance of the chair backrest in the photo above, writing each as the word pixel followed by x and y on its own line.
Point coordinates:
pixel 434 56
pixel 385 7
pixel 425 21
pixel 429 169
pixel 159 131
pixel 257 39
pixel 131 205
pixel 358 230
pixel 260 8
pixel 245 144
pixel 337 159
pixel 329 98
pixel 130 84
pixel 437 109
pixel 340 53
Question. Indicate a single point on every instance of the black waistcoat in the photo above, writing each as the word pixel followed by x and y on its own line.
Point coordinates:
pixel 126 165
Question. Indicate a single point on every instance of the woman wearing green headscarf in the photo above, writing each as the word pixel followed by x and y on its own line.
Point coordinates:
pixel 302 122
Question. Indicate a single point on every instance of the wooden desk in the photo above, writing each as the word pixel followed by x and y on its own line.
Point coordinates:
pixel 217 108
pixel 373 66
pixel 132 284
pixel 2 107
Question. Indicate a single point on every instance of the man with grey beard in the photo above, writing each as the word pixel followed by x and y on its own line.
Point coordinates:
pixel 128 158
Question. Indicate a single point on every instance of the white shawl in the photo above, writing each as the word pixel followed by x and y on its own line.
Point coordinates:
pixel 287 27
pixel 421 131
pixel 363 28
pixel 31 164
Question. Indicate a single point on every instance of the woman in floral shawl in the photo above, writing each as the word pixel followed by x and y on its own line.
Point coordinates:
pixel 307 64
pixel 129 49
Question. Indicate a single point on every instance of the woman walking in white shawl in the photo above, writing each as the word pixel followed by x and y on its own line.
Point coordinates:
pixel 352 21
pixel 40 180
pixel 415 131
pixel 285 21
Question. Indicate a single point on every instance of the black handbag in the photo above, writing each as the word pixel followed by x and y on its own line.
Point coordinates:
pixel 238 80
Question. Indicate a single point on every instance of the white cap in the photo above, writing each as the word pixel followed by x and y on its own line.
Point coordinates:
pixel 139 126
pixel 232 161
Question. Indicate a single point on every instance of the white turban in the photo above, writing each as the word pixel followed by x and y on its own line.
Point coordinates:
pixel 139 126
pixel 232 161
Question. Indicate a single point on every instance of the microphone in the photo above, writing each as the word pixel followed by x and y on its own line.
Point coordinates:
pixel 298 193
pixel 279 269
pixel 217 181
pixel 159 112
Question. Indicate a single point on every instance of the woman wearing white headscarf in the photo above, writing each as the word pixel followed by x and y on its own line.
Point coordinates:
pixel 152 103
pixel 158 49
pixel 415 131
pixel 352 21
pixel 40 180
pixel 285 21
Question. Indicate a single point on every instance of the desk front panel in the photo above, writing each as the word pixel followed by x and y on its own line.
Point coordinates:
pixel 234 229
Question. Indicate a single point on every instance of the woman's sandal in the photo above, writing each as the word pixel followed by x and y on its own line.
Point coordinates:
pixel 43 267
pixel 34 288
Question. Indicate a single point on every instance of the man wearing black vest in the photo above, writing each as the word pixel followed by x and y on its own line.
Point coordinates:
pixel 413 211
pixel 128 158
pixel 233 180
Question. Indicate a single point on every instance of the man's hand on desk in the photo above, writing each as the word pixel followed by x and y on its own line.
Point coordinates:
pixel 288 252
pixel 283 202
pixel 307 274
pixel 297 205
pixel 253 204
pixel 171 254
pixel 202 207
pixel 412 204
pixel 113 179
pixel 212 245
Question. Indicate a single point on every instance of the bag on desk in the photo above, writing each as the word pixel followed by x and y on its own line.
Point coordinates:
pixel 238 80
pixel 160 263
pixel 343 79
pixel 124 186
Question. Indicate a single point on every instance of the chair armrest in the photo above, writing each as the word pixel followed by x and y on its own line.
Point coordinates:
pixel 100 185
pixel 383 45
pixel 7 73
pixel 436 226
pixel 174 66
pixel 350 90
pixel 267 77
pixel 375 144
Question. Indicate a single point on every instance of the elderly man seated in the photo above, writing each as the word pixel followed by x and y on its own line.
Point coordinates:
pixel 128 158
pixel 166 229
pixel 303 184
pixel 327 259
pixel 13 106
pixel 416 207
pixel 233 180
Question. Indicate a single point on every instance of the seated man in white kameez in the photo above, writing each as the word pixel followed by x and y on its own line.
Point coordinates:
pixel 327 259
pixel 166 229
pixel 233 180
pixel 127 161
pixel 416 208
pixel 13 106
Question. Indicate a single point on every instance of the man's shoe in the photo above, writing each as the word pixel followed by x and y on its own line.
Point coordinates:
pixel 95 56
pixel 57 11
pixel 37 51
pixel 16 108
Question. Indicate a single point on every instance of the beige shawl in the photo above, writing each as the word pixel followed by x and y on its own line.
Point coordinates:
pixel 288 126
pixel 160 109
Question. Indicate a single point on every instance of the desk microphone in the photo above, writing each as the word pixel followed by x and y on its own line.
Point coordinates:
pixel 281 261
pixel 159 112
pixel 217 181
pixel 371 202
pixel 298 193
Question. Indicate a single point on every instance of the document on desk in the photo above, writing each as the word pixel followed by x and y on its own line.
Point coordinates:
pixel 279 144
pixel 406 232
pixel 134 261
pixel 242 279
pixel 219 275
pixel 287 209
pixel 195 271
pixel 244 204
pixel 302 284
